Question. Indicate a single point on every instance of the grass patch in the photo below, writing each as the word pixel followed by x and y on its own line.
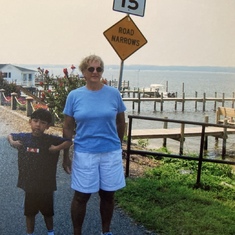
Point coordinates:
pixel 166 201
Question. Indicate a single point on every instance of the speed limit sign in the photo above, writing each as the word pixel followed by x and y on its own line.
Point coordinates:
pixel 134 7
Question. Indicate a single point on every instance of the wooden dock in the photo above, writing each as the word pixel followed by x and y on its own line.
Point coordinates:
pixel 161 100
pixel 179 134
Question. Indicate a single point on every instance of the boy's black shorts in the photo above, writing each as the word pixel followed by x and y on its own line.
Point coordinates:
pixel 35 202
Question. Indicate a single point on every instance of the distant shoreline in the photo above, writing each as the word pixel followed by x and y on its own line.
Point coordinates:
pixel 145 67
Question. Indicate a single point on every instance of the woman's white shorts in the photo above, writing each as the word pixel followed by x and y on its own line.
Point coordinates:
pixel 94 171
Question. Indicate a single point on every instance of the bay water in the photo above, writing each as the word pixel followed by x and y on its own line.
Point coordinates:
pixel 208 81
pixel 189 82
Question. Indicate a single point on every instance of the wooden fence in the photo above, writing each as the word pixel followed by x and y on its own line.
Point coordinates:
pixel 27 104
pixel 201 130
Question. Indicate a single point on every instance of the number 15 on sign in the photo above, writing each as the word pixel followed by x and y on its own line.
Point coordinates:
pixel 134 7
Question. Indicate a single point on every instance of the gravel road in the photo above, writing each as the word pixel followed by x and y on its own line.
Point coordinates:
pixel 12 220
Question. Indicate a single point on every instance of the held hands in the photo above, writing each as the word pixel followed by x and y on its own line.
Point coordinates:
pixel 66 160
pixel 53 149
pixel 67 164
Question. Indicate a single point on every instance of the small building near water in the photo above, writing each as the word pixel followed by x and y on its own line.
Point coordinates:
pixel 20 76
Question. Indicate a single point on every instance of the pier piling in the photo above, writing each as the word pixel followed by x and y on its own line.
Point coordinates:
pixel 137 97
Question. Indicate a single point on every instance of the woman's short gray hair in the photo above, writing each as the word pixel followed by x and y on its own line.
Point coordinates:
pixel 87 60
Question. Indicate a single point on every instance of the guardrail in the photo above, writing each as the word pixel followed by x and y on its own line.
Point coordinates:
pixel 200 157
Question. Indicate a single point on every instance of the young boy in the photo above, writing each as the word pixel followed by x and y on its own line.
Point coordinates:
pixel 38 155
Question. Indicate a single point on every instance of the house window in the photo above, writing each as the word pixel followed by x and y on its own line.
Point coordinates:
pixel 30 77
pixel 9 75
pixel 4 75
pixel 24 77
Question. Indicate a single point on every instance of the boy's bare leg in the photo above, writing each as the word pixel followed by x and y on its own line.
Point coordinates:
pixel 78 211
pixel 30 222
pixel 49 222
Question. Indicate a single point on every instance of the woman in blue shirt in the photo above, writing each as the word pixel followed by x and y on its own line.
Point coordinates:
pixel 97 112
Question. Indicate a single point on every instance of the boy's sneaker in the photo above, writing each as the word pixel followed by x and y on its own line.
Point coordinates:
pixel 107 233
pixel 50 232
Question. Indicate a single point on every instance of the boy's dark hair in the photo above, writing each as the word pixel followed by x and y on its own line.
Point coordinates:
pixel 42 114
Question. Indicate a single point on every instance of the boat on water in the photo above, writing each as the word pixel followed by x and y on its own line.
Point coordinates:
pixel 157 90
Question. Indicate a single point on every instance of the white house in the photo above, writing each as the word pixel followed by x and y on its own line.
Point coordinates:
pixel 18 75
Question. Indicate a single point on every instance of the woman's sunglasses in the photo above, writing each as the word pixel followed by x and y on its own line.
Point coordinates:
pixel 92 69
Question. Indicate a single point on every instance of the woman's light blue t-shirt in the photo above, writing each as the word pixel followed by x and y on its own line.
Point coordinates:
pixel 95 116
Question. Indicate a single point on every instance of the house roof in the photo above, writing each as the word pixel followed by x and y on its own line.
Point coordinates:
pixel 2 65
pixel 20 68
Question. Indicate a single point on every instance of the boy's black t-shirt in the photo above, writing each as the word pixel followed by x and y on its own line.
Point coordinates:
pixel 36 165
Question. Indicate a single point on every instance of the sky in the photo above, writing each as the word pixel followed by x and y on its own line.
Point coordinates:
pixel 179 32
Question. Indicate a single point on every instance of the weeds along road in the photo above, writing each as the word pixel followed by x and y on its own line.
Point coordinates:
pixel 12 220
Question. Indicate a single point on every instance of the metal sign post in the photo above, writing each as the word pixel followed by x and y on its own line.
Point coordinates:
pixel 124 36
pixel 120 75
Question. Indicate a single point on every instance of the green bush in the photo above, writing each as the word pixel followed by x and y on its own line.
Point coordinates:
pixel 8 87
pixel 57 89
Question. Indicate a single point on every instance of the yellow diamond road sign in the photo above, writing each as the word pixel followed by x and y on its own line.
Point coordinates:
pixel 125 37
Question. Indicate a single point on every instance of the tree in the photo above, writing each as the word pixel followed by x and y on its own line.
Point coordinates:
pixel 8 87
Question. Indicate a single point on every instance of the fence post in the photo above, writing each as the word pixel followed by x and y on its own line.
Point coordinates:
pixel 204 102
pixel 155 106
pixel 223 96
pixel 29 107
pixel 162 102
pixel 195 100
pixel 225 136
pixel 175 105
pixel 182 139
pixel 215 101
pixel 1 96
pixel 139 102
pixel 183 101
pixel 165 126
pixel 13 101
pixel 206 137
pixel 233 100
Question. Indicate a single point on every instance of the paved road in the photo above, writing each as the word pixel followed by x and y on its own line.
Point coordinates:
pixel 12 220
